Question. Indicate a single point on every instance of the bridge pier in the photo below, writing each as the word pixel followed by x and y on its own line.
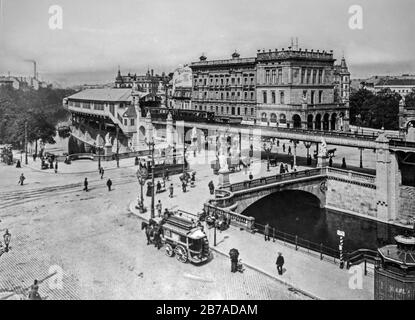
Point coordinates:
pixel 388 179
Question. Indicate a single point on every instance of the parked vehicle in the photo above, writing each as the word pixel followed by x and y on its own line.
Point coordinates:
pixel 183 239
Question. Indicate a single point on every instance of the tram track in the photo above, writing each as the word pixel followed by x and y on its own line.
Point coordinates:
pixel 10 199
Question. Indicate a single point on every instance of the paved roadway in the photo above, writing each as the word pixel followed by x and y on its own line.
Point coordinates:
pixel 100 247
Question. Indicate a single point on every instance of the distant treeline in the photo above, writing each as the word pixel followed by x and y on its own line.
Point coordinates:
pixel 42 110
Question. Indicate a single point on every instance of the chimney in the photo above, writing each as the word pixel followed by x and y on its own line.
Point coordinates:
pixel 34 69
pixel 152 72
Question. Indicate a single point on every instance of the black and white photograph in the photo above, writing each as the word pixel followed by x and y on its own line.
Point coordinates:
pixel 227 151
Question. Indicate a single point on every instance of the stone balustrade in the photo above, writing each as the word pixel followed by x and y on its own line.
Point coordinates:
pixel 236 218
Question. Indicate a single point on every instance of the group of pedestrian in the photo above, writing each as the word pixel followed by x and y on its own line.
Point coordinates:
pixel 109 182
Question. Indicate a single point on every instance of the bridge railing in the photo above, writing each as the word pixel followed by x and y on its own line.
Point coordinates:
pixel 273 179
pixel 351 175
pixel 236 218
pixel 298 242
pixel 326 171
pixel 223 199
pixel 401 143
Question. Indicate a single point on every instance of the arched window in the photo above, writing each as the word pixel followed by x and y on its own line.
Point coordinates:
pixel 264 117
pixel 333 121
pixel 283 118
pixel 273 118
pixel 318 122
pixel 296 121
pixel 310 122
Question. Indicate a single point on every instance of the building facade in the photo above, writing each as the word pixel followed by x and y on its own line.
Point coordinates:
pixel 226 87
pixel 403 86
pixel 297 89
pixel 181 88
pixel 154 84
pixel 286 88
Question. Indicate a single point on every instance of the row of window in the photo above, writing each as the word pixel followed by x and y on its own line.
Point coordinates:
pixel 238 111
pixel 228 96
pixel 273 99
pixel 132 122
pixel 226 81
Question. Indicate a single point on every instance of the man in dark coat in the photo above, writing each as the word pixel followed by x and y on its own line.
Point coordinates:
pixel 234 254
pixel 56 166
pixel 109 184
pixel 21 179
pixel 211 187
pixel 86 184
pixel 280 263
pixel 171 190
pixel 33 293
pixel 266 232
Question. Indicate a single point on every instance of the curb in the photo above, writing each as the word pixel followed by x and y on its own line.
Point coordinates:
pixel 306 293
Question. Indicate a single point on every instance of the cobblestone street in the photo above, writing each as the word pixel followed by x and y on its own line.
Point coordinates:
pixel 98 248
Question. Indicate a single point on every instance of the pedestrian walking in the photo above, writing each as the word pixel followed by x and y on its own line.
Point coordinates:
pixel 282 170
pixel 184 184
pixel 56 166
pixel 234 254
pixel 21 179
pixel 86 184
pixel 159 208
pixel 292 164
pixel 171 190
pixel 33 293
pixel 109 184
pixel 278 143
pixel 102 173
pixel 211 187
pixel 344 163
pixel 283 147
pixel 289 150
pixel 167 175
pixel 250 176
pixel 266 232
pixel 18 164
pixel 158 186
pixel 280 263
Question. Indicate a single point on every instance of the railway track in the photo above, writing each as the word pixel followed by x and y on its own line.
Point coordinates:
pixel 10 199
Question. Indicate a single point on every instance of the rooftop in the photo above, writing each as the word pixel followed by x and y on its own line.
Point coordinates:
pixel 105 94
pixel 396 82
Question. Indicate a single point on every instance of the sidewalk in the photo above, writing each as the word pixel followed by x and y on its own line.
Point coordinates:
pixel 319 279
pixel 76 166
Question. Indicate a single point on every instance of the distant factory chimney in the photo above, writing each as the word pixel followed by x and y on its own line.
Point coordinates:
pixel 34 70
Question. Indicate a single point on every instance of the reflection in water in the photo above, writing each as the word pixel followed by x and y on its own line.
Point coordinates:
pixel 299 213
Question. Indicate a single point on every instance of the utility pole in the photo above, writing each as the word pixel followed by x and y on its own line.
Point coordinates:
pixel 118 147
pixel 25 141
pixel 151 145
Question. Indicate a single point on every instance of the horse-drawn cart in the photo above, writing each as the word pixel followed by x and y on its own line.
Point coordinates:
pixel 181 238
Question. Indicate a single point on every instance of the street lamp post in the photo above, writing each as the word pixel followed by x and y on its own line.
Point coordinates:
pixel 151 145
pixel 307 144
pixel 25 141
pixel 268 147
pixel 6 237
pixel 117 129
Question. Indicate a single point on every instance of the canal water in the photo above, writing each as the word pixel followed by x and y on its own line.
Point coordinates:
pixel 298 213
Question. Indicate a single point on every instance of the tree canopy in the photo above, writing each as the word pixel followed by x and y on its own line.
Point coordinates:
pixel 41 109
pixel 375 110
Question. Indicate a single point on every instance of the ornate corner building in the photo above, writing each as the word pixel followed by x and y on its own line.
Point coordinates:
pixel 287 88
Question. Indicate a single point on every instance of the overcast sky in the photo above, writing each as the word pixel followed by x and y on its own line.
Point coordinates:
pixel 99 35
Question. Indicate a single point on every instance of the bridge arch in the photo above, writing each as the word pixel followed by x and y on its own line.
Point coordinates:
pixel 284 211
pixel 296 121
